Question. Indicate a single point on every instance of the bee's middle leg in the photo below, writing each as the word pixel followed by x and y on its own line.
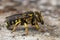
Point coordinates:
pixel 26 28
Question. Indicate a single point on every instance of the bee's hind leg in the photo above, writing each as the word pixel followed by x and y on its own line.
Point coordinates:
pixel 15 26
pixel 37 26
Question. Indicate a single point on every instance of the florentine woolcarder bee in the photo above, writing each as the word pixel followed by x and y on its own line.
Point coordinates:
pixel 25 18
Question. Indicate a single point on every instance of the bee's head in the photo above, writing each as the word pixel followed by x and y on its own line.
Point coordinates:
pixel 39 17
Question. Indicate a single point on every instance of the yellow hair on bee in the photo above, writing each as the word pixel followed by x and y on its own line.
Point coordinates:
pixel 16 20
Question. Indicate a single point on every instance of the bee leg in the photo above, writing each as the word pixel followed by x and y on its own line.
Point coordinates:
pixel 14 27
pixel 37 26
pixel 26 28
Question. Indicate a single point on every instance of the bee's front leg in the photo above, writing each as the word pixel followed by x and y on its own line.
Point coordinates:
pixel 26 28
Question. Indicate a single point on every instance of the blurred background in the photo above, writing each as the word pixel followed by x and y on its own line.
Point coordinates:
pixel 48 7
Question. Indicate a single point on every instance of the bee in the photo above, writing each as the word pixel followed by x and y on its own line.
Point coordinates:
pixel 25 18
